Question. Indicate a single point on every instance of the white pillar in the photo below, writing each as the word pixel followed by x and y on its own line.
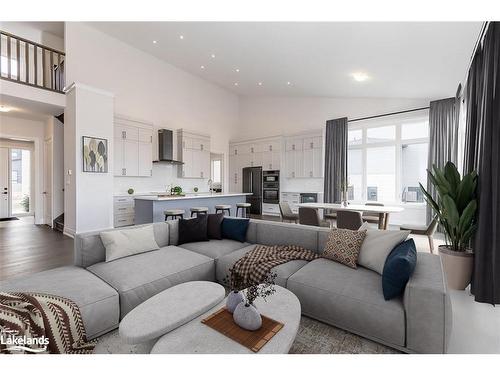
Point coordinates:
pixel 88 198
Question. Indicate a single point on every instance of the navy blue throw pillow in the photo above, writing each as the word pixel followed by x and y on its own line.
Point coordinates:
pixel 235 229
pixel 398 268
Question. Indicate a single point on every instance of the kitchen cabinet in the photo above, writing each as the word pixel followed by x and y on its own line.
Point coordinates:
pixel 304 156
pixel 313 155
pixel 235 173
pixel 133 148
pixel 194 152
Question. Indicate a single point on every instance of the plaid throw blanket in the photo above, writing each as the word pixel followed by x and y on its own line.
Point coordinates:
pixel 253 268
pixel 41 323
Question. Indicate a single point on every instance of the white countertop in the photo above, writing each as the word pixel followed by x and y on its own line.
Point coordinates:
pixel 191 196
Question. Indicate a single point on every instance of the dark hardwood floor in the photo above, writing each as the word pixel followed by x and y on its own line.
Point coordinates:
pixel 26 248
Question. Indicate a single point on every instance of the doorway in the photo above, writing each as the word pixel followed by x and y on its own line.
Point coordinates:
pixel 216 171
pixel 15 182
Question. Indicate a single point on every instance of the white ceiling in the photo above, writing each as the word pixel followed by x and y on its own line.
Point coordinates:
pixel 403 60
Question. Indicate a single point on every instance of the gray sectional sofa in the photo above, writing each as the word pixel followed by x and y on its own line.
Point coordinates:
pixel 419 322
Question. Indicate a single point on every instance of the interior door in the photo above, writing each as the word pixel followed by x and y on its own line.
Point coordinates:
pixel 4 183
pixel 47 183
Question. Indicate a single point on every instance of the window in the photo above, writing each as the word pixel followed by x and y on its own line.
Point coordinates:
pixel 216 171
pixel 20 180
pixel 387 159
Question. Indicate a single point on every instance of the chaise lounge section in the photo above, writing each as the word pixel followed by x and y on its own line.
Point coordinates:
pixel 352 299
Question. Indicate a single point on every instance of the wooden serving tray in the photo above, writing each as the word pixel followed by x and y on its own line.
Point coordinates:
pixel 222 321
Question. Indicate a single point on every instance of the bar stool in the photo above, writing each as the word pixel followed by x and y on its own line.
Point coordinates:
pixel 223 208
pixel 245 209
pixel 174 213
pixel 198 211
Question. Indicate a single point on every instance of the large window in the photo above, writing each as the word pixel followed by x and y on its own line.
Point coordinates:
pixel 387 158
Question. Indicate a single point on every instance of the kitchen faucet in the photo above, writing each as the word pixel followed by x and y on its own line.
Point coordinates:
pixel 210 182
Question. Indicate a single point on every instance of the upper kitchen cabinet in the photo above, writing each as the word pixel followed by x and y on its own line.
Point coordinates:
pixel 304 156
pixel 133 148
pixel 263 153
pixel 194 152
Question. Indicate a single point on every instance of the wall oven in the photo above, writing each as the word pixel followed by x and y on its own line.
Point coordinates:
pixel 271 187
pixel 308 197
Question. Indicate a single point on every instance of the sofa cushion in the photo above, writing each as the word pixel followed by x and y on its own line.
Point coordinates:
pixel 90 250
pixel 343 246
pixel 98 302
pixel 398 269
pixel 214 248
pixel 283 271
pixel 214 226
pixel 273 233
pixel 142 276
pixel 126 242
pixel 235 228
pixel 349 298
pixel 193 229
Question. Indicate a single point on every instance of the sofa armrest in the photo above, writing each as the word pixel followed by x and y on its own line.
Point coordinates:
pixel 428 307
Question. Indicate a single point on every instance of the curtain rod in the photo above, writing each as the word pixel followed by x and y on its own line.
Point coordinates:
pixel 388 114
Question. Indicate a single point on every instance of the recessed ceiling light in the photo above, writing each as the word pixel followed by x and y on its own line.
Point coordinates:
pixel 212 55
pixel 181 36
pixel 202 67
pixel 260 83
pixel 360 76
pixel 289 83
pixel 236 83
pixel 4 109
pixel 237 70
pixel 154 42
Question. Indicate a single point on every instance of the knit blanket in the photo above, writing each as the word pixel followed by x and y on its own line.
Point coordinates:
pixel 41 323
pixel 255 266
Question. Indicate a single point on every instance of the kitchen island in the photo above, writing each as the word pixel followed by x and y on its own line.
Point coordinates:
pixel 150 209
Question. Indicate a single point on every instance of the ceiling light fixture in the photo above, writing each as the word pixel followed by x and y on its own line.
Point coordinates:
pixel 212 55
pixel 202 67
pixel 289 83
pixel 236 83
pixel 237 70
pixel 4 109
pixel 260 83
pixel 154 42
pixel 360 76
pixel 181 36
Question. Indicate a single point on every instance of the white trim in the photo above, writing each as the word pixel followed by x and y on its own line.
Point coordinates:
pixel 79 85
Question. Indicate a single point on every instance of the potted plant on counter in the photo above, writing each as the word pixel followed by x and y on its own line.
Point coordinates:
pixel 455 207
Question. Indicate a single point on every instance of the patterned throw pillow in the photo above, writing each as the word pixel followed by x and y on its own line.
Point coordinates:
pixel 343 246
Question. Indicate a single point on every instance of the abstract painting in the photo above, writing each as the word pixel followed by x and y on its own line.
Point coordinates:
pixel 95 155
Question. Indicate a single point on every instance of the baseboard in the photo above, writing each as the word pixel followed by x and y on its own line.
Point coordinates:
pixel 69 232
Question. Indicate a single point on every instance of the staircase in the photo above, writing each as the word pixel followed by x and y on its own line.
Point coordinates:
pixel 59 223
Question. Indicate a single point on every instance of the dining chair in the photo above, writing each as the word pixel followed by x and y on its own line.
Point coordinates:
pixel 286 213
pixel 309 216
pixel 425 230
pixel 371 217
pixel 349 220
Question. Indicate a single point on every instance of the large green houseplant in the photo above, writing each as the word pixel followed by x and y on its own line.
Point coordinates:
pixel 456 207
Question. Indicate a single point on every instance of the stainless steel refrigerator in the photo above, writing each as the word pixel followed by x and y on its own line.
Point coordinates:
pixel 252 183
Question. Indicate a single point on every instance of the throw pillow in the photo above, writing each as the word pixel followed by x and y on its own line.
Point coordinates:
pixel 125 242
pixel 235 229
pixel 214 226
pixel 377 246
pixel 398 269
pixel 193 229
pixel 343 246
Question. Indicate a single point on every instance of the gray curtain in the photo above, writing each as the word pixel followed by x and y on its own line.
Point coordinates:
pixel 443 138
pixel 482 153
pixel 335 159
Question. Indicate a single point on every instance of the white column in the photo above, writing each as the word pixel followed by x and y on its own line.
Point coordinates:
pixel 88 201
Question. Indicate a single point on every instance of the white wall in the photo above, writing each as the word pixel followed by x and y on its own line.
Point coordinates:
pixel 88 204
pixel 151 90
pixel 33 130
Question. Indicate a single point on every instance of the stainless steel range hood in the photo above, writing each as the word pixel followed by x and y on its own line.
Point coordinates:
pixel 166 147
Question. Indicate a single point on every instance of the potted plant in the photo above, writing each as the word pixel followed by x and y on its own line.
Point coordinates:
pixel 456 210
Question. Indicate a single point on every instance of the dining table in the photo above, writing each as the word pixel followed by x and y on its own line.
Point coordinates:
pixel 382 211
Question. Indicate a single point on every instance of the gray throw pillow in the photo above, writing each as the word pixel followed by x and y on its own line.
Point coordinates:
pixel 377 246
pixel 126 242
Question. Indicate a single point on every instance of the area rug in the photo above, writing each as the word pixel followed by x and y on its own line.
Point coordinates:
pixel 313 337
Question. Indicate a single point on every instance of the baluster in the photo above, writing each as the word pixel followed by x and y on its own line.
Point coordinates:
pixel 8 57
pixel 44 67
pixel 36 64
pixel 18 60
pixel 51 70
pixel 27 61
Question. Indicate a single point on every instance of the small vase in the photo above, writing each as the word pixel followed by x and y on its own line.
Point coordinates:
pixel 234 298
pixel 247 317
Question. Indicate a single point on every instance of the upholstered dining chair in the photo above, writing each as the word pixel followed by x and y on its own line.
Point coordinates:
pixel 309 216
pixel 287 214
pixel 424 230
pixel 349 220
